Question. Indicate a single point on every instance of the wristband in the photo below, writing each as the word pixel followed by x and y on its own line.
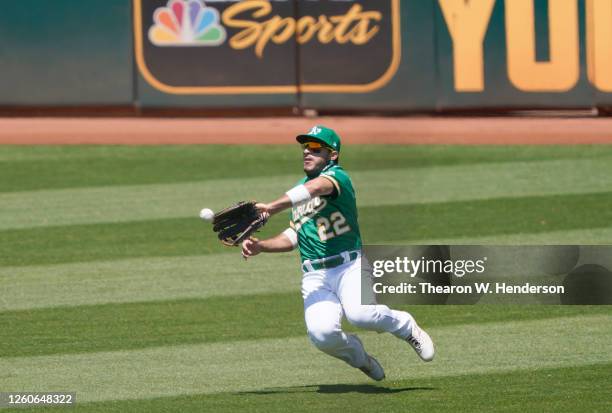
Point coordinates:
pixel 292 235
pixel 298 195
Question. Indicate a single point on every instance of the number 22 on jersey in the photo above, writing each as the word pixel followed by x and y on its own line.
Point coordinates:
pixel 334 226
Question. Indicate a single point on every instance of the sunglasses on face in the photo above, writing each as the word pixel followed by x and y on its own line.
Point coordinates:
pixel 314 147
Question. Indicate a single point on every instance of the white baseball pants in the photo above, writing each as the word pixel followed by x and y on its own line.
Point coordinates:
pixel 331 293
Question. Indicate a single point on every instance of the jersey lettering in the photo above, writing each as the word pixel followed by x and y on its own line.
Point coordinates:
pixel 303 212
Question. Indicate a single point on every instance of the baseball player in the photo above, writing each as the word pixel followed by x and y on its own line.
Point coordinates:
pixel 324 227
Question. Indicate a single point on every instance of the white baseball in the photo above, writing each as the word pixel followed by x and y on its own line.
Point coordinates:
pixel 207 214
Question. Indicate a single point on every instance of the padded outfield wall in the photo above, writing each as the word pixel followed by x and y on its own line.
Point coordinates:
pixel 396 55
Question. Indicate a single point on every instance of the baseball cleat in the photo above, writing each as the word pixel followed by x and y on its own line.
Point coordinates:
pixel 372 369
pixel 420 341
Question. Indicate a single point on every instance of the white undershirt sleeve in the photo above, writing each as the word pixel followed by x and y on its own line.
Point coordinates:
pixel 292 235
pixel 298 195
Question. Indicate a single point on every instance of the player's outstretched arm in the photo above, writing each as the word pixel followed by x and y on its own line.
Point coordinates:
pixel 283 242
pixel 320 186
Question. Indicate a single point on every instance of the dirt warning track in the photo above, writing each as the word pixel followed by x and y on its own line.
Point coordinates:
pixel 353 130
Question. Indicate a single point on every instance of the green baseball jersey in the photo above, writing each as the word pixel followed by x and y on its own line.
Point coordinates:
pixel 327 225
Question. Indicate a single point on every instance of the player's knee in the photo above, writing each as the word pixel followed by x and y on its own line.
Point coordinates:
pixel 361 316
pixel 325 338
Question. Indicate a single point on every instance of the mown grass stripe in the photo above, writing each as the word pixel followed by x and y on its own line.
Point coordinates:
pixel 146 279
pixel 495 217
pixel 103 166
pixel 189 236
pixel 91 328
pixel 591 236
pixel 146 202
pixel 55 167
pixel 254 365
pixel 374 188
pixel 569 389
pixel 150 324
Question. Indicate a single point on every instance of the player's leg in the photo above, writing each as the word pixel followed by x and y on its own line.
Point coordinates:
pixel 379 318
pixel 323 316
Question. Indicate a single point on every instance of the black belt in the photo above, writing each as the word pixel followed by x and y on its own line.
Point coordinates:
pixel 330 262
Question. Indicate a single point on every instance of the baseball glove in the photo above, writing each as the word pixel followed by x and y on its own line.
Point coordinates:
pixel 237 222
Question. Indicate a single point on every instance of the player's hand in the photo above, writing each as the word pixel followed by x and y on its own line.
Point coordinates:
pixel 250 247
pixel 263 209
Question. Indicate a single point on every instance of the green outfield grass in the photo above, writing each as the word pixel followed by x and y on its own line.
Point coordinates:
pixel 112 287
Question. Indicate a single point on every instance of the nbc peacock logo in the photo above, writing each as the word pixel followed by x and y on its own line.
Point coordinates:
pixel 186 23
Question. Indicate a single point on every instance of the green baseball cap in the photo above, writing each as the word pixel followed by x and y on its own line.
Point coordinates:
pixel 326 136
